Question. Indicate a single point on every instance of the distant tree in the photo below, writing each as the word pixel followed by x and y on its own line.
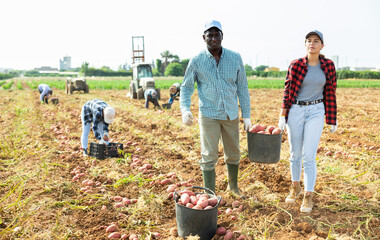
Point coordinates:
pixel 248 68
pixel 167 56
pixel 261 68
pixel 184 64
pixel 156 73
pixel 174 69
pixel 84 69
pixel 175 58
pixel 159 65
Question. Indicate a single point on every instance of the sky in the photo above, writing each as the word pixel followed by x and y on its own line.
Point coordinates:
pixel 265 32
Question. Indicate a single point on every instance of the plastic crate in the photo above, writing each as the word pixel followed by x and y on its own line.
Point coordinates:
pixel 101 151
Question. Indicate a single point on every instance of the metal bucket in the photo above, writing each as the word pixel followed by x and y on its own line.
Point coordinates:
pixel 194 221
pixel 264 148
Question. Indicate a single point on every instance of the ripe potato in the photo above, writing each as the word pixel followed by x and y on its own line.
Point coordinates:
pixel 114 235
pixel 276 131
pixel 221 231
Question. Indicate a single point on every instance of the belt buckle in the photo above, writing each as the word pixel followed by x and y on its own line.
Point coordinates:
pixel 307 103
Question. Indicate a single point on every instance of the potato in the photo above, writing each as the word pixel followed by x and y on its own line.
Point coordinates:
pixel 171 188
pixel 203 202
pixel 189 205
pixel 188 192
pixel 185 198
pixel 228 211
pixel 255 128
pixel 197 207
pixel 270 129
pixel 114 235
pixel 117 198
pixel 212 201
pixel 228 235
pixel 221 231
pixel 133 237
pixel 235 204
pixel 276 131
pixel 119 205
pixel 111 228
pixel 208 207
pixel 126 201
pixel 165 181
pixel 194 200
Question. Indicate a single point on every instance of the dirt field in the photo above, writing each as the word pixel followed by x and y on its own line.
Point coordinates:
pixel 39 157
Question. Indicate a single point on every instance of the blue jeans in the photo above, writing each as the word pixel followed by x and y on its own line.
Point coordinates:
pixel 304 126
pixel 86 128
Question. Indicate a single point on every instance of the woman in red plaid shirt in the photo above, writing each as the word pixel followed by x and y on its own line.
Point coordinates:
pixel 309 98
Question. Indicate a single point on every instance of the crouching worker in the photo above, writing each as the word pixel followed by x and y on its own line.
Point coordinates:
pixel 45 92
pixel 151 96
pixel 174 91
pixel 100 114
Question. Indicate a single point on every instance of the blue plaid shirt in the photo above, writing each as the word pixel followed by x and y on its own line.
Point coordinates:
pixel 93 113
pixel 44 90
pixel 219 86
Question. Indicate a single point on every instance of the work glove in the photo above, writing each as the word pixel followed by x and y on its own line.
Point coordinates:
pixel 282 123
pixel 247 124
pixel 334 127
pixel 187 118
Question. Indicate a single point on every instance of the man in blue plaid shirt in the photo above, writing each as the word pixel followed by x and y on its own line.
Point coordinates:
pixel 100 114
pixel 222 84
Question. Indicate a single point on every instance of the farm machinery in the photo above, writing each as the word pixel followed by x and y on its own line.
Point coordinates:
pixel 76 84
pixel 142 76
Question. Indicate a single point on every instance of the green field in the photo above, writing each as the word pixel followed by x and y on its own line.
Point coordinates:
pixel 120 83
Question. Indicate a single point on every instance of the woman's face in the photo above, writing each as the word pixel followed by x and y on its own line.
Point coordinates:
pixel 313 44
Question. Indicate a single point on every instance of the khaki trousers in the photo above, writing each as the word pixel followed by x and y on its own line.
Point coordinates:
pixel 211 130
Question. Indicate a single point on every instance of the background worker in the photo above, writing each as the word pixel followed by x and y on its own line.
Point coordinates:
pixel 309 96
pixel 45 93
pixel 174 91
pixel 151 95
pixel 100 114
pixel 222 84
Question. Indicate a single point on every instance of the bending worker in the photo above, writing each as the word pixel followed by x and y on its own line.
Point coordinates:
pixel 100 114
pixel 222 84
pixel 174 91
pixel 150 95
pixel 45 92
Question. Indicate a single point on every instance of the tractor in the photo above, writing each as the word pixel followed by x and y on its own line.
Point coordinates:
pixel 142 76
pixel 142 79
pixel 76 84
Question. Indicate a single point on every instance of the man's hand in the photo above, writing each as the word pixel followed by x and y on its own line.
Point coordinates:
pixel 106 138
pixel 282 123
pixel 187 118
pixel 247 124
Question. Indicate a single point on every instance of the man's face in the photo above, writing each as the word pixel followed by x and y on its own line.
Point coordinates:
pixel 213 38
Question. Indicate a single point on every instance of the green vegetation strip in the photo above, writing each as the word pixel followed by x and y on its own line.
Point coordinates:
pixel 122 83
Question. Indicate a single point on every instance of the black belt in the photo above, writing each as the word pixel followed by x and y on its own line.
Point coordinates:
pixel 303 103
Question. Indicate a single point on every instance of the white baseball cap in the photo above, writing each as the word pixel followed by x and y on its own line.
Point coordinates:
pixel 109 114
pixel 213 23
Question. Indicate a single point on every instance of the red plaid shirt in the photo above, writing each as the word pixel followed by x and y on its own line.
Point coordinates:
pixel 294 78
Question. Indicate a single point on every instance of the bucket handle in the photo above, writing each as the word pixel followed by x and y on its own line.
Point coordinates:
pixel 203 188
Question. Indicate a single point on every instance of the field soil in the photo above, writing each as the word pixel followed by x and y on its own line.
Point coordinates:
pixel 44 195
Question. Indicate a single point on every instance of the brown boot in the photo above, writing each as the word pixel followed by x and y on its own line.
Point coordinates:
pixel 307 204
pixel 295 191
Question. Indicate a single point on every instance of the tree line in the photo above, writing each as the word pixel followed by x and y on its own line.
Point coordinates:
pixel 171 65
